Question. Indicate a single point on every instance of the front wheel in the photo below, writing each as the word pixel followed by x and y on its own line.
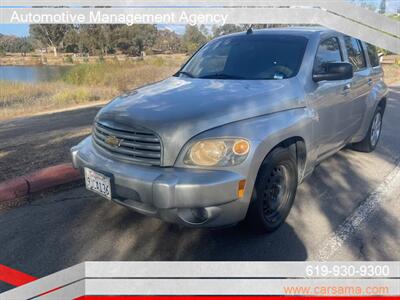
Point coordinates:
pixel 369 143
pixel 274 191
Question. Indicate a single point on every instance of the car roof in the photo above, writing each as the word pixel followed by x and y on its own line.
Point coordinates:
pixel 306 31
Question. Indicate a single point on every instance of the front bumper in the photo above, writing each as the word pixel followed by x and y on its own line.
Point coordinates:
pixel 192 197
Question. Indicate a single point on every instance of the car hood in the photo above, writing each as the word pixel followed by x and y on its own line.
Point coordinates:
pixel 179 108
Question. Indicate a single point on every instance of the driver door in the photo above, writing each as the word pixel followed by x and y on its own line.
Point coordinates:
pixel 330 101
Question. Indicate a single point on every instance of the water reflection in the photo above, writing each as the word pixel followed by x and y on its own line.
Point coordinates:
pixel 31 73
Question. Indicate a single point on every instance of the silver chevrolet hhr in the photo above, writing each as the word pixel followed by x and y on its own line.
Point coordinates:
pixel 231 135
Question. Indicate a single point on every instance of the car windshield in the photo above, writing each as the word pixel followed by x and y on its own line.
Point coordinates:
pixel 251 57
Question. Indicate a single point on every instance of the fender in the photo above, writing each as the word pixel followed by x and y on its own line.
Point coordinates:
pixel 378 92
pixel 264 134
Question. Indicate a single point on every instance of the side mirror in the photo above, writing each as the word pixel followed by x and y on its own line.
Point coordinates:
pixel 335 71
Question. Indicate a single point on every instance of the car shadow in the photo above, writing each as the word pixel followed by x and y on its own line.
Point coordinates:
pixel 342 182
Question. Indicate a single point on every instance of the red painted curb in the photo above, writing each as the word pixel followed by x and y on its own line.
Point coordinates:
pixel 13 188
pixel 38 181
pixel 52 176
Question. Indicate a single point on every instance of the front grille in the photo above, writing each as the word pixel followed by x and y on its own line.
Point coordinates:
pixel 136 145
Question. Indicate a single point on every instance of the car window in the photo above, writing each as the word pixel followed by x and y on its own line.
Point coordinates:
pixel 373 55
pixel 328 52
pixel 251 56
pixel 355 53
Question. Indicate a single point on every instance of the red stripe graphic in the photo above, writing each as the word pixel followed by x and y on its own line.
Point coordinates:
pixel 14 277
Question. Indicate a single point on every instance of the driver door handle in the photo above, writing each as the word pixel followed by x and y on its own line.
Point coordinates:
pixel 346 89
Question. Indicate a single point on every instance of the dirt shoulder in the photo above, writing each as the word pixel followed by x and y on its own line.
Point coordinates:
pixel 33 143
pixel 392 73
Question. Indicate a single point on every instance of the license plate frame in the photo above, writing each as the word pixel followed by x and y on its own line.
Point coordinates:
pixel 98 183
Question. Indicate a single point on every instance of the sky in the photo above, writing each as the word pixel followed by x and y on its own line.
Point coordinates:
pixel 23 29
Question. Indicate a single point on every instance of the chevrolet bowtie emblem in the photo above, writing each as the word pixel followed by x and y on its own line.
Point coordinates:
pixel 113 141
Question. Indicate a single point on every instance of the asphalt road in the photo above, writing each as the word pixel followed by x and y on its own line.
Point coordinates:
pixel 61 228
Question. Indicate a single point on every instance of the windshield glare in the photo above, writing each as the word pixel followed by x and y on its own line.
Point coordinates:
pixel 252 56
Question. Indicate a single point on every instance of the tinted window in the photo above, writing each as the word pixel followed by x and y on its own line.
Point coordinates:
pixel 252 56
pixel 355 52
pixel 328 51
pixel 373 55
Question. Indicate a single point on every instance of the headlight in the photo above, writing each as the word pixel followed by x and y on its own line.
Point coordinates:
pixel 217 152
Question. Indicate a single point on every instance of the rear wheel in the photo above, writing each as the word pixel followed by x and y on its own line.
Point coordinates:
pixel 274 191
pixel 369 143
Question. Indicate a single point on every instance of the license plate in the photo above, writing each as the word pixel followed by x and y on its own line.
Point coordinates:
pixel 98 183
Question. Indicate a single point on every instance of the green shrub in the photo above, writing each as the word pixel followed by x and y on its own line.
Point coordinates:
pixel 68 59
pixel 85 74
pixel 191 48
pixel 73 96
pixel 101 59
pixel 122 76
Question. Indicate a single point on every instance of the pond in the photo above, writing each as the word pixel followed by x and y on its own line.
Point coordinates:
pixel 31 74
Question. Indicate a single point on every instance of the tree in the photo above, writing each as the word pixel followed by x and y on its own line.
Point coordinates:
pixel 366 4
pixel 265 26
pixel 167 41
pixel 15 44
pixel 193 38
pixel 50 35
pixel 226 29
pixel 72 40
pixel 232 28
pixel 382 7
pixel 94 38
pixel 133 40
pixel 204 30
pixel 23 46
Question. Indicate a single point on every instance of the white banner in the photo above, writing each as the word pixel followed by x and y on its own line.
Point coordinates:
pixel 216 278
pixel 338 15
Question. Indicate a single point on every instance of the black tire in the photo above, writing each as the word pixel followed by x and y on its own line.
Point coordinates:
pixel 369 143
pixel 274 191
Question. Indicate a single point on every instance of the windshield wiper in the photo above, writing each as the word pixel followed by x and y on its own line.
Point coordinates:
pixel 221 76
pixel 185 73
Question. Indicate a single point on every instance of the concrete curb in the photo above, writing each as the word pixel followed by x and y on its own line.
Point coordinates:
pixel 38 181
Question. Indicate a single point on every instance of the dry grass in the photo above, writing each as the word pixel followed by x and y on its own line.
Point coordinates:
pixel 19 60
pixel 90 83
pixel 34 59
pixel 82 84
pixel 21 99
pixel 124 75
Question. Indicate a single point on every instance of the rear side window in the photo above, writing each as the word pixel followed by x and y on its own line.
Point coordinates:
pixel 355 52
pixel 328 52
pixel 373 55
